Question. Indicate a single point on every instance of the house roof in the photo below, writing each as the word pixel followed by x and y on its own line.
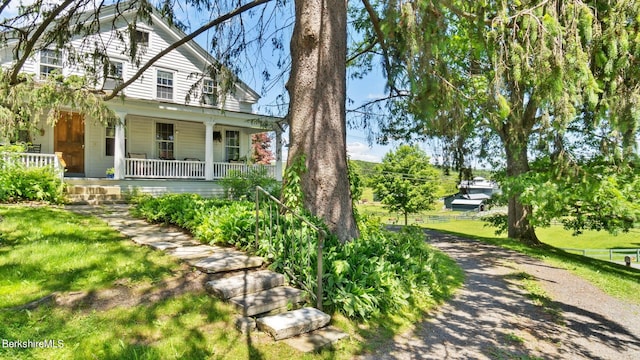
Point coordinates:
pixel 467 202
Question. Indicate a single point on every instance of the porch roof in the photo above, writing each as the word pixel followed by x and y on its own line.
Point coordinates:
pixel 173 111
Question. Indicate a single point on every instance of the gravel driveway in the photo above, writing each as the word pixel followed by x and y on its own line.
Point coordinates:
pixel 491 317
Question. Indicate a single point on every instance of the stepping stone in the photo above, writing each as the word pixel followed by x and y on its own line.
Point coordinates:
pixel 293 323
pixel 233 286
pixel 227 261
pixel 316 340
pixel 192 252
pixel 162 245
pixel 267 300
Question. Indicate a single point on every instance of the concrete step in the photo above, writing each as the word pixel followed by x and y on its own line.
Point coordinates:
pixel 293 323
pixel 93 190
pixel 193 252
pixel 227 261
pixel 316 340
pixel 247 283
pixel 267 300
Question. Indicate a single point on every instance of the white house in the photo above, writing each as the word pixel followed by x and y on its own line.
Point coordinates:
pixel 164 138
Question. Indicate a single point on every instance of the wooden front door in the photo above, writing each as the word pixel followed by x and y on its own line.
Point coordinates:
pixel 69 140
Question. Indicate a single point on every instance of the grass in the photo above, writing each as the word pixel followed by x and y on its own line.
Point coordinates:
pixel 614 279
pixel 45 250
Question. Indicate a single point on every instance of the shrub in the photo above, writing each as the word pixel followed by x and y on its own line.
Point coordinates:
pixel 380 273
pixel 238 186
pixel 18 183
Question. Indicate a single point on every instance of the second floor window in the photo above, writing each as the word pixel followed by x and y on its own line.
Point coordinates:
pixel 49 62
pixel 115 70
pixel 164 87
pixel 209 92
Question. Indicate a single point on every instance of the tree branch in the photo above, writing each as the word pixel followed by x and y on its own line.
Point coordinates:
pixel 371 45
pixel 375 21
pixel 35 37
pixel 183 41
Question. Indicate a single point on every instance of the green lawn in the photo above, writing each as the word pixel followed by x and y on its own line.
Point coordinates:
pixel 45 250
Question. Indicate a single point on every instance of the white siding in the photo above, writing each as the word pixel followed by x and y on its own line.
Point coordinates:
pixel 184 61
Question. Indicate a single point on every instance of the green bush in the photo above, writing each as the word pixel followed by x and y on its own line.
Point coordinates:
pixel 381 273
pixel 18 183
pixel 239 186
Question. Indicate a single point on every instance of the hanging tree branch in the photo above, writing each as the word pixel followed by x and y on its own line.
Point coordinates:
pixel 183 41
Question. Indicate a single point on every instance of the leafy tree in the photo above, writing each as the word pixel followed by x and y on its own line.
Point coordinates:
pixel 554 80
pixel 261 149
pixel 406 182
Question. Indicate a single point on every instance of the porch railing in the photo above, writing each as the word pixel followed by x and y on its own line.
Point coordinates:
pixel 174 169
pixel 179 169
pixel 296 242
pixel 31 160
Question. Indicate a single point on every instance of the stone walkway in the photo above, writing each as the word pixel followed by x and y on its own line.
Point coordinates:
pixel 234 277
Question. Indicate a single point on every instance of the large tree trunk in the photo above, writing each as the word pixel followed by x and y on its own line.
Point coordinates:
pixel 317 118
pixel 519 226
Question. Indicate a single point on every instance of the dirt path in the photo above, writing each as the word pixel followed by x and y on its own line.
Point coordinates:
pixel 491 317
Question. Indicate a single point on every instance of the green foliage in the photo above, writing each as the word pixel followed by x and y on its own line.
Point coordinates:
pixel 381 273
pixel 19 183
pixel 292 185
pixel 239 186
pixel 405 181
pixel 594 196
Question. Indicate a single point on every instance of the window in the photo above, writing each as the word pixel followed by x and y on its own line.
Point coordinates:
pixel 164 141
pixel 115 70
pixel 114 75
pixel 209 92
pixel 232 145
pixel 164 85
pixel 110 141
pixel 49 62
pixel 141 38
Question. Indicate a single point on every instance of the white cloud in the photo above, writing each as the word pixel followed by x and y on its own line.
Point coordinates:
pixel 360 151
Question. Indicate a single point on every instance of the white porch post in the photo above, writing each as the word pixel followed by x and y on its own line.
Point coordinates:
pixel 118 154
pixel 278 154
pixel 208 148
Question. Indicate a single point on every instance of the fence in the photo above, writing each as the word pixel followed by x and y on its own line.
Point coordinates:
pixel 31 160
pixel 607 254
pixel 287 239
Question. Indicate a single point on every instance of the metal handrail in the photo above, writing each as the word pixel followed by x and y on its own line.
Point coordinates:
pixel 321 237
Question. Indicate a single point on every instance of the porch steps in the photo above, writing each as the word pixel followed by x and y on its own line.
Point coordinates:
pixel 94 194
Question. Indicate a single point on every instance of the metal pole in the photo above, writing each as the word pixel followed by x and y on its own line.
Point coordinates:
pixel 257 216
pixel 319 275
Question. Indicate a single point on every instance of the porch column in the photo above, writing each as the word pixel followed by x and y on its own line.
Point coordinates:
pixel 118 153
pixel 278 153
pixel 208 148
